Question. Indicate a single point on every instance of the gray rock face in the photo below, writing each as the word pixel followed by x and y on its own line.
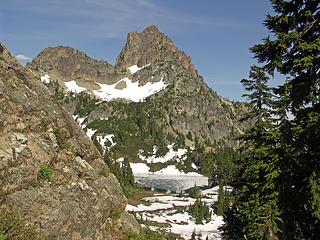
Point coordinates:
pixel 58 181
pixel 151 46
pixel 66 63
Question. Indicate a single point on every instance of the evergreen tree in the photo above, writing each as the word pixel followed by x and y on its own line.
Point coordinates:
pixel 294 53
pixel 107 159
pixel 194 193
pixel 278 188
pixel 200 211
pixel 256 200
pixel 127 174
pixel 116 170
pixel 221 199
pixel 97 144
pixel 193 235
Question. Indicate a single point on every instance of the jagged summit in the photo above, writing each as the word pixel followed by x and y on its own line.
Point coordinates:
pixel 149 46
pixel 67 63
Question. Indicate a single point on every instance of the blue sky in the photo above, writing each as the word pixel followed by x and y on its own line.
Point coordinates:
pixel 215 33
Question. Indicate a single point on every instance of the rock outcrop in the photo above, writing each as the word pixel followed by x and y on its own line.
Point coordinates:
pixel 50 172
pixel 66 63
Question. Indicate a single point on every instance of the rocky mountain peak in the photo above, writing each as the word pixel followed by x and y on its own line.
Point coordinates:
pixel 66 63
pixel 149 46
pixel 152 29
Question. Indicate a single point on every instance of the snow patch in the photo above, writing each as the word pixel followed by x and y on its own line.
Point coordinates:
pixel 172 170
pixel 45 79
pixel 90 132
pixel 194 166
pixel 134 68
pixel 132 92
pixel 215 190
pixel 179 155
pixel 139 168
pixel 72 86
pixel 79 120
pixel 120 160
pixel 103 139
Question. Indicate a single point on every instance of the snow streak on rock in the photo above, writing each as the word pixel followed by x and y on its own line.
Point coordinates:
pixel 134 68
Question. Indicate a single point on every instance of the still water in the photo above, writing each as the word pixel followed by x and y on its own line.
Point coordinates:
pixel 170 182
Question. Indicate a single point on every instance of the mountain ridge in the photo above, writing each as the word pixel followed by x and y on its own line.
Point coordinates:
pixel 158 98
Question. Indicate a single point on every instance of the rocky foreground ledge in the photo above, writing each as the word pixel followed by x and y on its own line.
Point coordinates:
pixel 52 178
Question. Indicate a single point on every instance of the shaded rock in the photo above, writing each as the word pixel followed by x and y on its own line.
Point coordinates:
pixel 55 181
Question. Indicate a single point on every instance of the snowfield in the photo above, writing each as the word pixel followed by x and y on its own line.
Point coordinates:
pixel 132 91
pixel 163 209
pixel 129 90
pixel 72 86
pixel 140 168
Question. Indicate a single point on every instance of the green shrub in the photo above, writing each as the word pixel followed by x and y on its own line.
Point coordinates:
pixel 13 228
pixel 45 173
pixel 200 211
pixel 131 235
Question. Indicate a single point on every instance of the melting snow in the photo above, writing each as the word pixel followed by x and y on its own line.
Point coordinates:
pixel 45 79
pixel 194 166
pixel 79 120
pixel 134 68
pixel 215 190
pixel 90 132
pixel 162 209
pixel 170 155
pixel 132 91
pixel 140 168
pixel 120 160
pixel 72 86
pixel 103 139
pixel 172 170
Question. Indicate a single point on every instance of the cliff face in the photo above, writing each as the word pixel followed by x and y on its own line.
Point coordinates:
pixel 50 172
